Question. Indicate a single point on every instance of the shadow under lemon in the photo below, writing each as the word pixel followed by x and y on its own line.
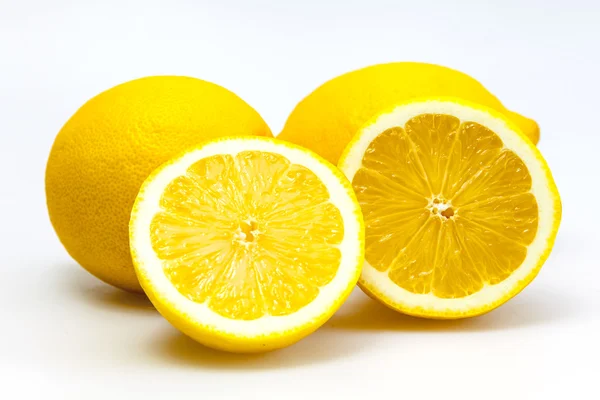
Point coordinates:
pixel 323 346
pixel 535 306
pixel 99 294
pixel 336 339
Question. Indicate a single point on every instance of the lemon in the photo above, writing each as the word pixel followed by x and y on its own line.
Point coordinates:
pixel 460 208
pixel 111 144
pixel 247 244
pixel 328 118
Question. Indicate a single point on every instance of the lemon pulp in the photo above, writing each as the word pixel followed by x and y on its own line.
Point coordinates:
pixel 447 208
pixel 249 235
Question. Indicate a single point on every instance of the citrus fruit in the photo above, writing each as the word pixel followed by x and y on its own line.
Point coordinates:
pixel 110 145
pixel 247 244
pixel 460 209
pixel 328 118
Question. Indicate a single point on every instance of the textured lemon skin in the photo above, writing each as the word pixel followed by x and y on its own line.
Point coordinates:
pixel 106 150
pixel 327 119
pixel 373 292
pixel 214 337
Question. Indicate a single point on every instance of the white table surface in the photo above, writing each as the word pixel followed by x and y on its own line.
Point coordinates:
pixel 66 335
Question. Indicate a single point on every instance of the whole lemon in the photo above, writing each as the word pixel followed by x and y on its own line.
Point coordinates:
pixel 105 151
pixel 328 118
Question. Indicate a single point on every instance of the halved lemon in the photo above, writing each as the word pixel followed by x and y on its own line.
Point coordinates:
pixel 460 208
pixel 247 244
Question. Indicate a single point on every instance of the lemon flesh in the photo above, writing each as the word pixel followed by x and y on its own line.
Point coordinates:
pixel 447 208
pixel 452 208
pixel 251 234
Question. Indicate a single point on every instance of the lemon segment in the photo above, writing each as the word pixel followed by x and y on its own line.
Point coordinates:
pixel 460 209
pixel 247 244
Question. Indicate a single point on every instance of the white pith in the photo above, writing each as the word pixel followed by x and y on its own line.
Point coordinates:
pixel 150 266
pixel 351 161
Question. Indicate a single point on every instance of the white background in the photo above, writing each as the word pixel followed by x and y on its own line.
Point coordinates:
pixel 63 334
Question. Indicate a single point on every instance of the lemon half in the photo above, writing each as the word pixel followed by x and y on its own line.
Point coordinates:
pixel 460 208
pixel 247 244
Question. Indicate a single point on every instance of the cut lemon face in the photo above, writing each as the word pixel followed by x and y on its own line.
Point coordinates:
pixel 460 209
pixel 247 244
